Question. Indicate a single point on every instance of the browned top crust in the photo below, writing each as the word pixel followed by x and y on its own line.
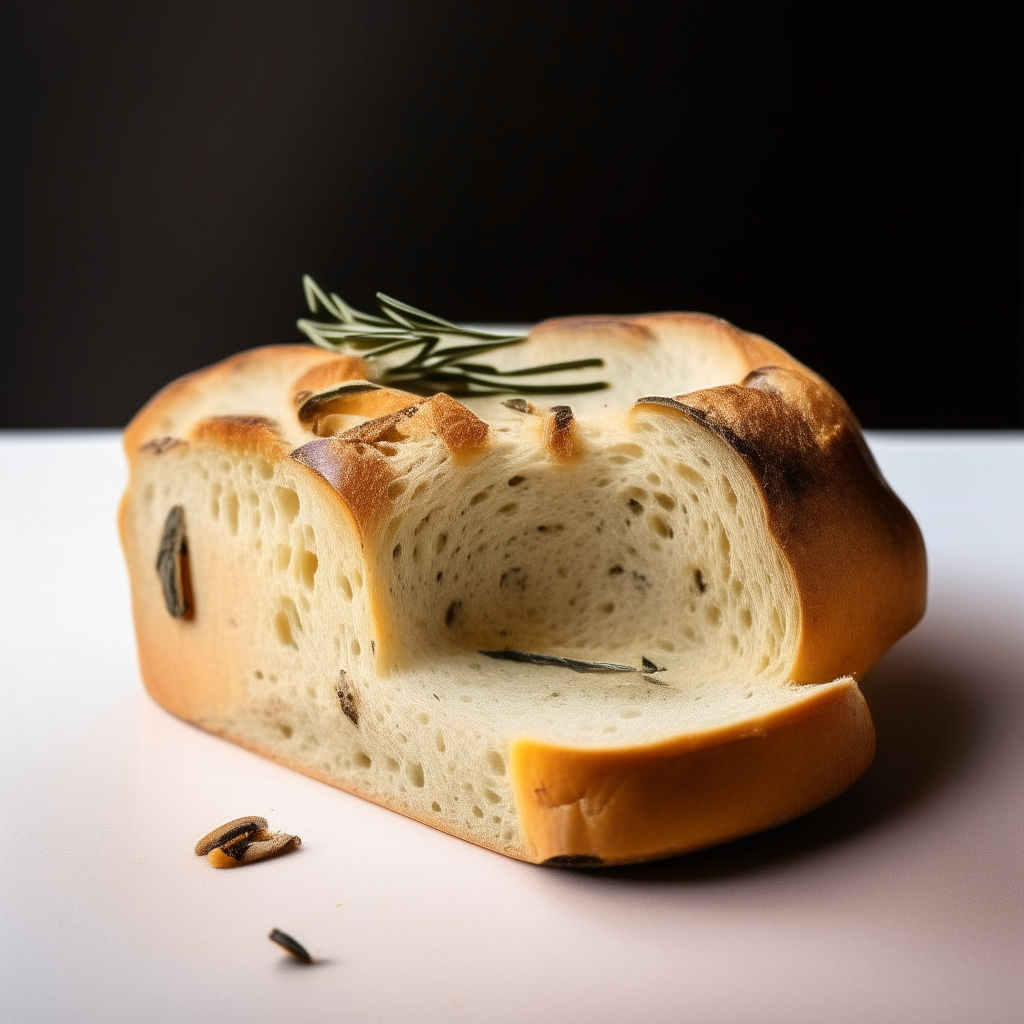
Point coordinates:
pixel 320 410
pixel 327 374
pixel 559 433
pixel 356 461
pixel 270 369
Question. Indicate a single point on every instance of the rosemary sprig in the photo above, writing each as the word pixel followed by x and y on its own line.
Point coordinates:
pixel 575 664
pixel 434 367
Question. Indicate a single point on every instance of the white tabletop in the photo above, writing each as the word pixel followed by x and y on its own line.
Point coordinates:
pixel 901 901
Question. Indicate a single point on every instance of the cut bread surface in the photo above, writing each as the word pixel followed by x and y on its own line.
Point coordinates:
pixel 349 570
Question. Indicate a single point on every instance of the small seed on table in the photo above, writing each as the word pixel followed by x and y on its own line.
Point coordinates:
pixel 296 949
pixel 229 833
pixel 249 849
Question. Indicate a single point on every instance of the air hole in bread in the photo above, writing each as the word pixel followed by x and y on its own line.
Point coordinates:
pixel 629 450
pixel 287 502
pixel 287 622
pixel 308 563
pixel 689 474
pixel 283 557
pixel 660 527
pixel 231 511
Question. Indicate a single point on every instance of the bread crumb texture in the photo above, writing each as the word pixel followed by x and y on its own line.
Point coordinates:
pixel 714 513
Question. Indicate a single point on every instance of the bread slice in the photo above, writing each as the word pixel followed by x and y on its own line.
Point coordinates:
pixel 340 579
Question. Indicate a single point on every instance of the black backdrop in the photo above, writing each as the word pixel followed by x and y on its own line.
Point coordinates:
pixel 844 178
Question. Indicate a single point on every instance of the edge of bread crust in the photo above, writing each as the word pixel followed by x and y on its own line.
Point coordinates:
pixel 856 554
pixel 615 806
pixel 288 369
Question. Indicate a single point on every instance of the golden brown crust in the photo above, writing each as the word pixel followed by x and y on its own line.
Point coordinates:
pixel 322 411
pixel 461 430
pixel 328 374
pixel 357 463
pixel 280 364
pixel 655 800
pixel 560 433
pixel 750 350
pixel 253 435
pixel 626 329
pixel 358 470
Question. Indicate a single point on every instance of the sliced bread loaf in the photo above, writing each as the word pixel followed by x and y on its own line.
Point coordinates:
pixel 595 633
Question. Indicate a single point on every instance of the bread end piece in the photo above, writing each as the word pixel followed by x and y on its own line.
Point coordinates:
pixel 856 552
pixel 616 806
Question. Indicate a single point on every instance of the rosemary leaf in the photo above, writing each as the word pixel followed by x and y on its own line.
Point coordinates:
pixel 399 319
pixel 451 355
pixel 575 664
pixel 428 346
pixel 433 368
pixel 418 314
pixel 577 364
pixel 492 387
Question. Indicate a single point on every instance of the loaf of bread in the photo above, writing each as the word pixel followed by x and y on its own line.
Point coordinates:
pixel 591 633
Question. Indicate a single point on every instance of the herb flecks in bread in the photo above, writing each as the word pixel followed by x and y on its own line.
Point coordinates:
pixel 373 570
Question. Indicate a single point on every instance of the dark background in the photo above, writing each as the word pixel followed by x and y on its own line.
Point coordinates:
pixel 844 178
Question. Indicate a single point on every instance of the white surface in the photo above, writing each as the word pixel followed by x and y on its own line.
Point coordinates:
pixel 901 901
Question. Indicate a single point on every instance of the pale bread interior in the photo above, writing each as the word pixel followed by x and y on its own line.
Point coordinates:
pixel 650 542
